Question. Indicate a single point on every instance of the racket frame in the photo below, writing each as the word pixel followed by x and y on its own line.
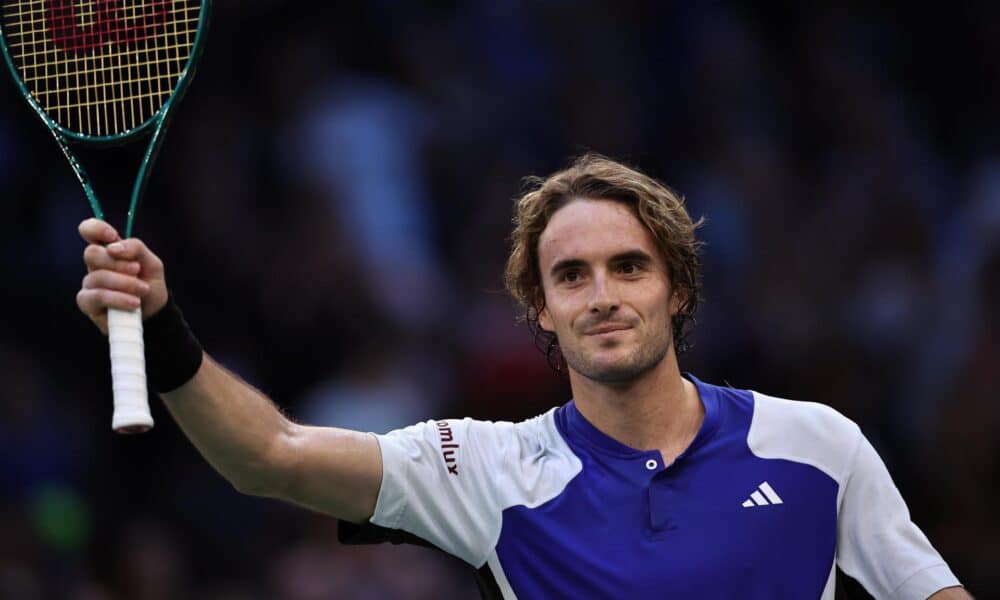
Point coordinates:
pixel 156 124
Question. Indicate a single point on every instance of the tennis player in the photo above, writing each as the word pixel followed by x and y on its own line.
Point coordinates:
pixel 647 484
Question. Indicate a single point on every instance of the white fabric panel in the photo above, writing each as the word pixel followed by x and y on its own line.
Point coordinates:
pixel 803 432
pixel 877 544
pixel 830 590
pixel 506 592
pixel 449 481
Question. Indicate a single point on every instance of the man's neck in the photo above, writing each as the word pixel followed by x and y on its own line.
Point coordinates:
pixel 659 410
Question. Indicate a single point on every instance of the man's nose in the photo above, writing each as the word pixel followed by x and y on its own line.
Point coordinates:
pixel 604 298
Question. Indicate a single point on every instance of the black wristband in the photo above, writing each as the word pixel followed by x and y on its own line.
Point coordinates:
pixel 173 354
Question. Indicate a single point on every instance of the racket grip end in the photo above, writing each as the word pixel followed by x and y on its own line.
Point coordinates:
pixel 128 372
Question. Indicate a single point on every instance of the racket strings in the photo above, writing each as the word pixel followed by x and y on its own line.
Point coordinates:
pixel 100 67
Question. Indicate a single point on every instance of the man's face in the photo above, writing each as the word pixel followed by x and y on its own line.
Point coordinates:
pixel 607 294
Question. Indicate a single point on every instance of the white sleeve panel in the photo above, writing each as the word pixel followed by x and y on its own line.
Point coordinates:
pixel 448 482
pixel 803 432
pixel 808 433
pixel 877 544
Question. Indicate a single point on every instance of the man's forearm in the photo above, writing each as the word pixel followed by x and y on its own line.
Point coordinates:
pixel 235 427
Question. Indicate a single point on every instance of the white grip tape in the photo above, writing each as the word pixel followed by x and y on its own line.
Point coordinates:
pixel 128 371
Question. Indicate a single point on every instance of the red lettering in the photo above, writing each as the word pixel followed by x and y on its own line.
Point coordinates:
pixel 77 29
pixel 449 455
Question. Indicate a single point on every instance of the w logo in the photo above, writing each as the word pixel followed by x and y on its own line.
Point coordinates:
pixel 78 27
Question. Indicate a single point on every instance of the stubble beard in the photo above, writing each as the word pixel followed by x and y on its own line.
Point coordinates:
pixel 640 361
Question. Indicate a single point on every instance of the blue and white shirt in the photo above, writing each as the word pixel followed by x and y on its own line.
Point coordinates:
pixel 768 499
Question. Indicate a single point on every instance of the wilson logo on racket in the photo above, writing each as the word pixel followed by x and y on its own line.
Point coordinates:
pixel 77 27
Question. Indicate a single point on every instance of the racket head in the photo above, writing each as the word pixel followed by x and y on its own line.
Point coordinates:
pixel 102 71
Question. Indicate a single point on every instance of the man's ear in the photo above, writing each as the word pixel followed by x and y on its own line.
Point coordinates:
pixel 542 310
pixel 677 299
pixel 545 320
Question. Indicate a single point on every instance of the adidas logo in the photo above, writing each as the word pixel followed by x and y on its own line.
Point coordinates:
pixel 762 496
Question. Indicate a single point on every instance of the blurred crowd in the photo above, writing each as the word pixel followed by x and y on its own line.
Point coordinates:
pixel 333 206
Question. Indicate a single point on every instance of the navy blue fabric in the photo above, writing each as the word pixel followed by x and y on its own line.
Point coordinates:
pixel 621 530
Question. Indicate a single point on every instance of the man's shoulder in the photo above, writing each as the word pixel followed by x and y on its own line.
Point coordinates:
pixel 812 416
pixel 500 439
pixel 805 432
pixel 540 427
pixel 466 426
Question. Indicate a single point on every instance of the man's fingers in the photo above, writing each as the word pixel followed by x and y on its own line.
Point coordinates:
pixel 95 302
pixel 97 257
pixel 130 249
pixel 96 231
pixel 134 249
pixel 121 274
pixel 113 281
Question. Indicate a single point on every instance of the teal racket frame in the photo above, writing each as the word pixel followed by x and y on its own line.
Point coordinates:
pixel 155 125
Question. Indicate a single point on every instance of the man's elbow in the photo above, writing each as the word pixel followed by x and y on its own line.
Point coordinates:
pixel 265 475
pixel 253 484
pixel 952 593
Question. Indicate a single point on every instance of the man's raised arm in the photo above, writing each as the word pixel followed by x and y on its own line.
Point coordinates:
pixel 234 426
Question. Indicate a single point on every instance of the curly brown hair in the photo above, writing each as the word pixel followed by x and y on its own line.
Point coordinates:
pixel 596 177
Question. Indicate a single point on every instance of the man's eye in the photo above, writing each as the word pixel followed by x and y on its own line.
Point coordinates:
pixel 571 276
pixel 630 268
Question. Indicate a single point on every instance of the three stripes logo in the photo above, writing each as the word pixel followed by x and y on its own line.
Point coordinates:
pixel 763 496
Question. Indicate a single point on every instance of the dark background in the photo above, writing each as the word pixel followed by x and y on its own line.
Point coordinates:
pixel 333 204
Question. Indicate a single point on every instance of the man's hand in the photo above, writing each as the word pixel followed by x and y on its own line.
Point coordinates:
pixel 123 274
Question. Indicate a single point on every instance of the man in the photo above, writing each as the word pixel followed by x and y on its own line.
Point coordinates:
pixel 648 484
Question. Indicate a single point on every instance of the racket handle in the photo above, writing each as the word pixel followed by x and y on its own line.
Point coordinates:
pixel 128 372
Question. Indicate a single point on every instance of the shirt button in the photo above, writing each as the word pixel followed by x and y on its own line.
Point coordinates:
pixel 651 464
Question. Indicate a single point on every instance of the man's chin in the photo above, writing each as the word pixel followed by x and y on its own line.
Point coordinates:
pixel 617 371
pixel 619 365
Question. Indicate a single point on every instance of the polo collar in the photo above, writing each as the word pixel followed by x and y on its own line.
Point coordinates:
pixel 580 427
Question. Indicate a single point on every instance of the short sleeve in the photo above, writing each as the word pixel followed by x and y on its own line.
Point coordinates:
pixel 877 543
pixel 439 483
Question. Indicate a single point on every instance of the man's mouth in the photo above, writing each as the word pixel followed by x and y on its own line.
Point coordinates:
pixel 606 328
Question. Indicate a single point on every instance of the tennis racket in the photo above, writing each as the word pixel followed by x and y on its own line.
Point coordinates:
pixel 107 72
